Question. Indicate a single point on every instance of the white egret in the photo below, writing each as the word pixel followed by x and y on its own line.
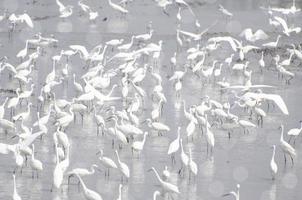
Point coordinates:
pixel 106 162
pixel 118 7
pixel 89 194
pixel 81 172
pixel 272 44
pixel 35 164
pixel 286 148
pixel 273 164
pixel 122 167
pixel 139 145
pixel 174 145
pixel 253 37
pixel 166 186
pixel 295 132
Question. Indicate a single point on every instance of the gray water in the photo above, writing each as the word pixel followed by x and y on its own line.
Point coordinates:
pixel 244 159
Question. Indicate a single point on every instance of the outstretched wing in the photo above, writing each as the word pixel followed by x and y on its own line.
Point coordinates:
pixel 282 22
pixel 230 40
pixel 192 35
pixel 80 48
pixel 61 6
pixel 277 99
pixel 25 17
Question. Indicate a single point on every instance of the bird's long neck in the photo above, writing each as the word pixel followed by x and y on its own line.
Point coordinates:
pixel 277 40
pixel 118 157
pixel 111 91
pixel 274 152
pixel 157 175
pixel 281 137
pixel 15 188
pixel 144 140
pixel 33 153
pixel 82 182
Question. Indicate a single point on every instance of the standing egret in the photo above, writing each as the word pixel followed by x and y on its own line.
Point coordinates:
pixel 272 44
pixel 2 108
pixel 158 126
pixel 81 172
pixel 122 167
pixel 174 146
pixel 192 165
pixel 35 164
pixel 89 194
pixel 167 187
pixel 273 164
pixel 106 162
pixel 295 132
pixel 184 158
pixel 139 145
pixel 261 62
pixel 209 136
pixel 286 148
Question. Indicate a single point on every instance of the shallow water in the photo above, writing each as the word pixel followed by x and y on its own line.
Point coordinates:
pixel 244 159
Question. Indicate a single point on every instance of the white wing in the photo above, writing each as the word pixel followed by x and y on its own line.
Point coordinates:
pixel 192 35
pixel 30 139
pixel 61 6
pixel 277 99
pixel 80 48
pixel 260 35
pixel 13 17
pixel 282 22
pixel 25 17
pixel 247 48
pixel 230 40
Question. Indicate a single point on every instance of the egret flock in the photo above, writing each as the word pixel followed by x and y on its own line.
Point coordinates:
pixel 145 115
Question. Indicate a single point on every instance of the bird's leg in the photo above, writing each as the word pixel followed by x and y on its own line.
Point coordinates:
pixel 292 160
pixel 32 174
pixel 229 135
pixel 207 148
pixel 290 139
pixel 284 159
